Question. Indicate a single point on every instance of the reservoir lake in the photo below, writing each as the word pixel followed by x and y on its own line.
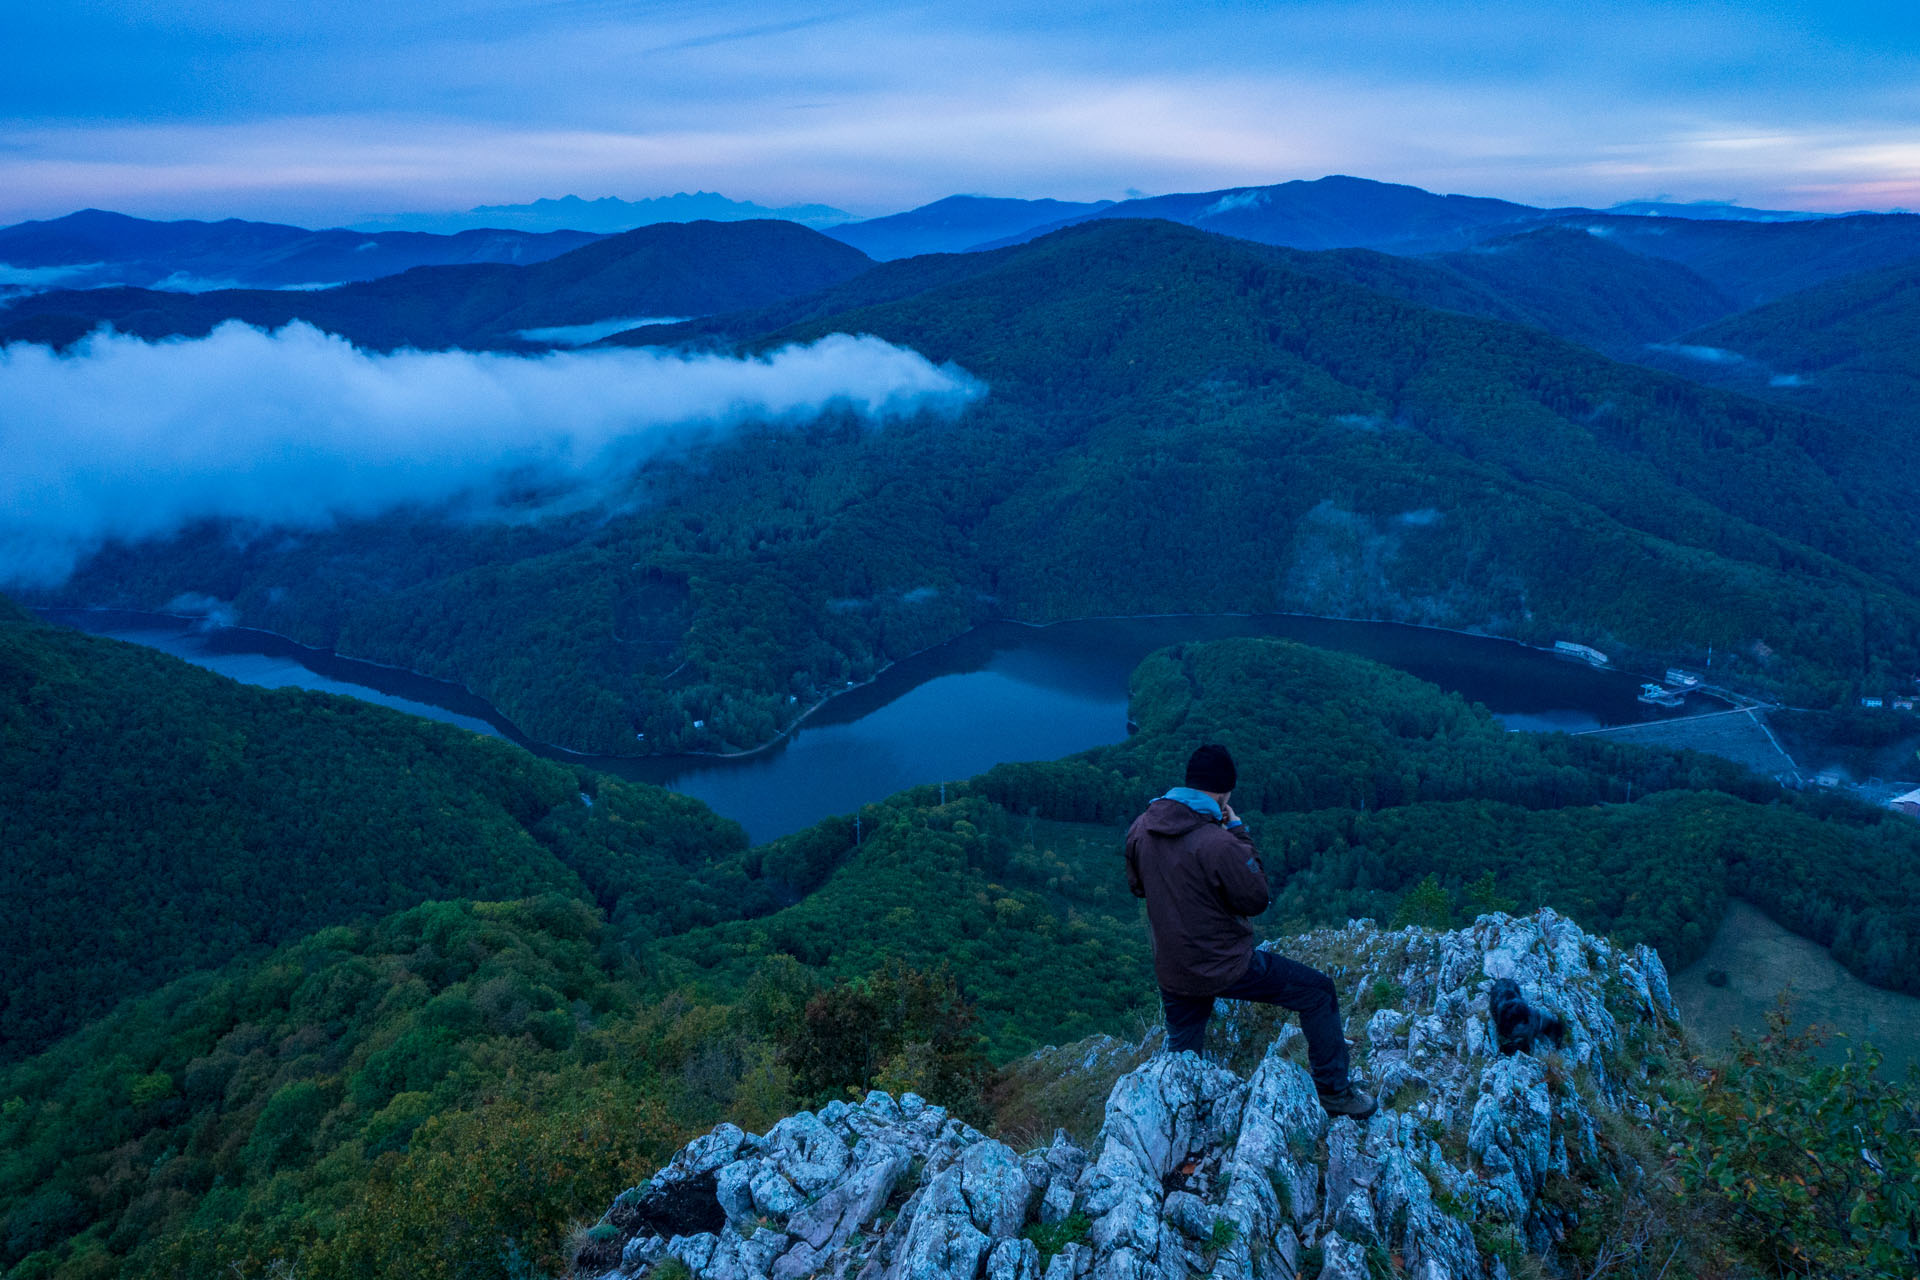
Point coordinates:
pixel 1003 691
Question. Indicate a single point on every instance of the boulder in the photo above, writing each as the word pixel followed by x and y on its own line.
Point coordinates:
pixel 1196 1171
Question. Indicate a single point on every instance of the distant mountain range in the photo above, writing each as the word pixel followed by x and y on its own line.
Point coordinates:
pixel 671 269
pixel 94 248
pixel 1335 212
pixel 1327 426
pixel 958 224
pixel 606 215
pixel 1711 211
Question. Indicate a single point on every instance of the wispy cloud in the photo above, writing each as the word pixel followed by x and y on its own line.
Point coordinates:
pixel 756 32
pixel 300 110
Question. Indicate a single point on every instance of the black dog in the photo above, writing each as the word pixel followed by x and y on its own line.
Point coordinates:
pixel 1517 1023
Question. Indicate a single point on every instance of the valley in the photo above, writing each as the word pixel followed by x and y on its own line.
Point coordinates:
pixel 757 633
pixel 1337 452
pixel 659 967
pixel 1001 692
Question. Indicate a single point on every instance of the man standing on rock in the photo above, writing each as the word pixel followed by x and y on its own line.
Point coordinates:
pixel 1190 857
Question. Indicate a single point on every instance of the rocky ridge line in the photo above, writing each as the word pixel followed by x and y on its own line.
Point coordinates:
pixel 1197 1171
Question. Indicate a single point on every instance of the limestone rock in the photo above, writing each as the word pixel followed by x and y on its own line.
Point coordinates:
pixel 1196 1171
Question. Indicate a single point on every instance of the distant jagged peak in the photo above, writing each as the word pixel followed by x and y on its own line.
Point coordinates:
pixel 1224 1168
pixel 608 214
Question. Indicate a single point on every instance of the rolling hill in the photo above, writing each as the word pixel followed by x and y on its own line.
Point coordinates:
pixel 607 215
pixel 956 224
pixel 1160 399
pixel 160 819
pixel 1849 348
pixel 434 1091
pixel 1756 262
pixel 667 270
pixel 1588 289
pixel 1749 256
pixel 1571 284
pixel 95 248
pixel 1335 212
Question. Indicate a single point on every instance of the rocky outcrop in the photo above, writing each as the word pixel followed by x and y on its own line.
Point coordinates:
pixel 1199 1171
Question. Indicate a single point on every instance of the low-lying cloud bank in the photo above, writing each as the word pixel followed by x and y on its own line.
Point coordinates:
pixel 126 439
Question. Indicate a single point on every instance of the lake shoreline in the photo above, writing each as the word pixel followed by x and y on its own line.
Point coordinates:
pixel 513 732
pixel 1003 690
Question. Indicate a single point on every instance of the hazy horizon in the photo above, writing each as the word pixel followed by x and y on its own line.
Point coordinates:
pixel 370 219
pixel 323 116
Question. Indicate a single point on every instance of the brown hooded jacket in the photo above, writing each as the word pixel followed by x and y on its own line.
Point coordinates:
pixel 1201 881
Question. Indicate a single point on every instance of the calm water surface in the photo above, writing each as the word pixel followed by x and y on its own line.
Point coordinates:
pixel 1001 692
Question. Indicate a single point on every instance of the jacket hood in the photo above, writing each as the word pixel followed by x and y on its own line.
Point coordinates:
pixel 1169 817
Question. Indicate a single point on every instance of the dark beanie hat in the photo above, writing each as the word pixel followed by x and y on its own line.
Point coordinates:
pixel 1211 769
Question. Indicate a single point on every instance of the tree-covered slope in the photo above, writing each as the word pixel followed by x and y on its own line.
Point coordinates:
pixel 1358 783
pixel 1568 282
pixel 1176 422
pixel 330 1100
pixel 1849 348
pixel 159 819
pixel 437 1092
pixel 1334 212
pixel 667 270
pixel 1754 262
pixel 1588 289
pixel 955 225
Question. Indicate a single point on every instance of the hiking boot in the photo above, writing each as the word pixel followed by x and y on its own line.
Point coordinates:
pixel 1349 1101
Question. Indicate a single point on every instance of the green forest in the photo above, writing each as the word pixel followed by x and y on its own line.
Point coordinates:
pixel 1159 398
pixel 160 819
pixel 1849 348
pixel 548 996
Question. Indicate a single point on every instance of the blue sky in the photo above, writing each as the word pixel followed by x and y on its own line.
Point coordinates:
pixel 323 112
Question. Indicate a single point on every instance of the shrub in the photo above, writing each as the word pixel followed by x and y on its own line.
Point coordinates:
pixel 1816 1168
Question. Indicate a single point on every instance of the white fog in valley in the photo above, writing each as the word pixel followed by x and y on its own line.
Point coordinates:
pixel 128 439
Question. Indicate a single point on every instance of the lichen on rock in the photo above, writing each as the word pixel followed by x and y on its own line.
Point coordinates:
pixel 1198 1171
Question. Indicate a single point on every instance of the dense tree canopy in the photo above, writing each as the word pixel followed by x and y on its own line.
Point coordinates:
pixel 1159 398
pixel 442 1090
pixel 159 819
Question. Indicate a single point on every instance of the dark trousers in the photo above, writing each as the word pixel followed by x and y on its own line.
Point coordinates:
pixel 1272 979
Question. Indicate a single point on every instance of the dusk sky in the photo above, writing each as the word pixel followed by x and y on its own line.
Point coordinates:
pixel 325 112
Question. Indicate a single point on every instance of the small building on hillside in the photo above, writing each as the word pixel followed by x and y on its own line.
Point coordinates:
pixel 1682 679
pixel 1908 804
pixel 1873 702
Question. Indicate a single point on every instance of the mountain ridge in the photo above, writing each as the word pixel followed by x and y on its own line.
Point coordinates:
pixel 668 269
pixel 605 215
pixel 956 224
pixel 95 248
pixel 1321 213
pixel 1327 409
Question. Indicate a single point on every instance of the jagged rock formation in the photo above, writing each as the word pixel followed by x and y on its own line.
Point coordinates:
pixel 1198 1171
